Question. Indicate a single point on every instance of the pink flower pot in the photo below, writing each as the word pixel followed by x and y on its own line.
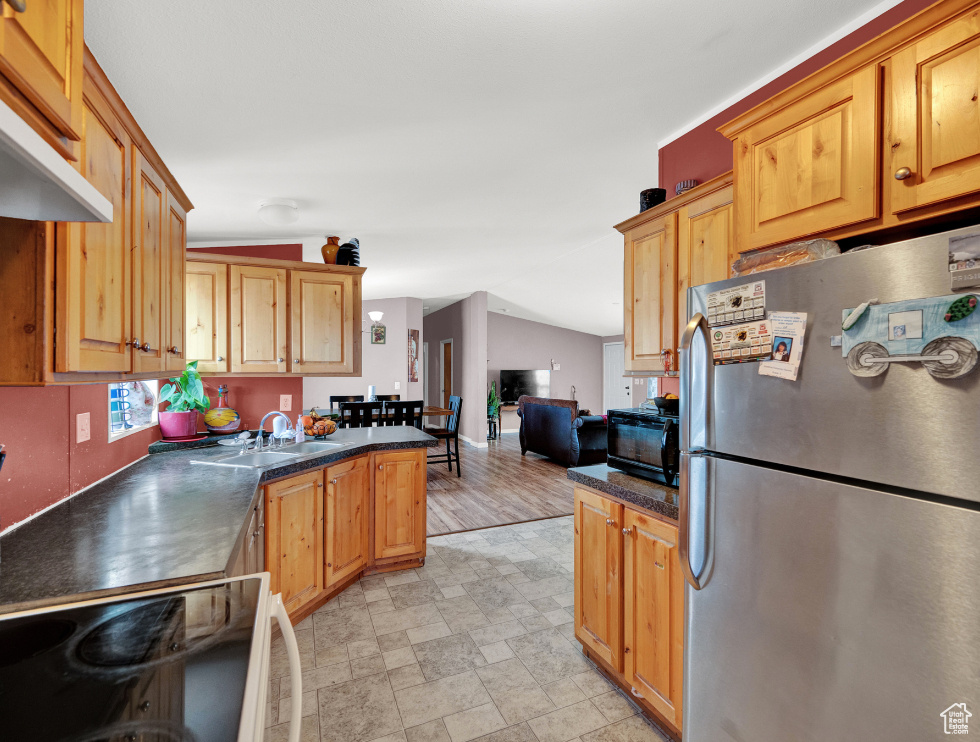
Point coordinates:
pixel 178 424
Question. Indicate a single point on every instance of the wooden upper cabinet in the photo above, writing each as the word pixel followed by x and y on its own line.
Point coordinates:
pixel 650 299
pixel 151 267
pixel 41 58
pixel 346 520
pixel 294 538
pixel 207 316
pixel 811 166
pixel 654 613
pixel 258 319
pixel 325 323
pixel 705 246
pixel 599 576
pixel 175 343
pixel 94 259
pixel 932 152
pixel 399 506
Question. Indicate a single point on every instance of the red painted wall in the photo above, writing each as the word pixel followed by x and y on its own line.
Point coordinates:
pixel 276 252
pixel 703 153
pixel 44 464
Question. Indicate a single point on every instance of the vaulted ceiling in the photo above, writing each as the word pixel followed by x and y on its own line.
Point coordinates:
pixel 479 145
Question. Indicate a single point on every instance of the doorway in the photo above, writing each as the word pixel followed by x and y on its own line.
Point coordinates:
pixel 615 386
pixel 445 371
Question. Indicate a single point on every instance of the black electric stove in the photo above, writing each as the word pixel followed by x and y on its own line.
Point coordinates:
pixel 162 668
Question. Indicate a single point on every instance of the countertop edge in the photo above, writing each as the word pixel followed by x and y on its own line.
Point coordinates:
pixel 631 490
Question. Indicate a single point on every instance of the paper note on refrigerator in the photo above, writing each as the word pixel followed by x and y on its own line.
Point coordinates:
pixel 788 329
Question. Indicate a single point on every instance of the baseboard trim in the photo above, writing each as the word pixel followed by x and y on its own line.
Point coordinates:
pixel 482 444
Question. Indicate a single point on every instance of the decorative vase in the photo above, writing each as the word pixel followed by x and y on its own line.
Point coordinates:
pixel 178 424
pixel 329 251
pixel 222 419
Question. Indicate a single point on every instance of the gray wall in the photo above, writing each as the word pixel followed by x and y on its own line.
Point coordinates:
pixel 465 323
pixel 515 344
pixel 381 365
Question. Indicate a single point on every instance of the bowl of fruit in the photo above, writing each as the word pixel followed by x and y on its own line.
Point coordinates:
pixel 669 404
pixel 316 425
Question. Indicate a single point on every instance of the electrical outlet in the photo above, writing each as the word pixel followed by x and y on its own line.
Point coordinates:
pixel 83 427
pixel 285 402
pixel 556 366
pixel 640 382
pixel 398 385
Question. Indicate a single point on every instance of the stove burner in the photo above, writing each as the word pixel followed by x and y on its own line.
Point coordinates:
pixel 24 640
pixel 158 731
pixel 128 638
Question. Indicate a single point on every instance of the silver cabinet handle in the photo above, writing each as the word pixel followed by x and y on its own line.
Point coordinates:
pixel 627 531
pixel 381 466
pixel 135 342
pixel 333 481
pixel 610 522
pixel 282 360
pixel 902 173
pixel 319 484
pixel 145 347
pixel 635 692
pixel 221 358
pixel 296 360
pixel 174 349
pixel 19 5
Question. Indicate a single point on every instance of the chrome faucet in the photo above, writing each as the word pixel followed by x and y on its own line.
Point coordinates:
pixel 258 442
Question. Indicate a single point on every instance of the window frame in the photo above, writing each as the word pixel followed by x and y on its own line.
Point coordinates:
pixel 154 387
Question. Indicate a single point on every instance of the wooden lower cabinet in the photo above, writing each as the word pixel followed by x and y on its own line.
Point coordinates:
pixel 399 504
pixel 325 528
pixel 653 616
pixel 294 538
pixel 599 576
pixel 629 601
pixel 348 487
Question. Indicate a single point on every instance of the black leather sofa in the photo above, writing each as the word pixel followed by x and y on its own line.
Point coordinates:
pixel 553 428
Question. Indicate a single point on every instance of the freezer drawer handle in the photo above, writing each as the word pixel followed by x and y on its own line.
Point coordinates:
pixel 684 523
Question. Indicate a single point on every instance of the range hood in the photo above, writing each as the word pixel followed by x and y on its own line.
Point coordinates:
pixel 37 183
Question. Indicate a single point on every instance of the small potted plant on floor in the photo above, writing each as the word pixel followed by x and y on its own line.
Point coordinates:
pixel 186 398
pixel 493 410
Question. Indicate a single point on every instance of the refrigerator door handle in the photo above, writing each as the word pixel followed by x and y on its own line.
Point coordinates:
pixel 698 323
pixel 685 516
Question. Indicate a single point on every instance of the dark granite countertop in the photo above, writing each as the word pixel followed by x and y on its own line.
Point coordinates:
pixel 658 498
pixel 161 521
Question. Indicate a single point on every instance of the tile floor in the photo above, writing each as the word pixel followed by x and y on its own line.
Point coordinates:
pixel 476 645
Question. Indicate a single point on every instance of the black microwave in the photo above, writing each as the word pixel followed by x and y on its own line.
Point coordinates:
pixel 644 443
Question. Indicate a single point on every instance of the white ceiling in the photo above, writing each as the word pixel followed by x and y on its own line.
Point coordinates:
pixel 481 145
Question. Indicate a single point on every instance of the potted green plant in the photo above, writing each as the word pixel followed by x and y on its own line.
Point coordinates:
pixel 185 397
pixel 493 401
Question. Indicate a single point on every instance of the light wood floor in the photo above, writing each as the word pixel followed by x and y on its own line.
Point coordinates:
pixel 498 487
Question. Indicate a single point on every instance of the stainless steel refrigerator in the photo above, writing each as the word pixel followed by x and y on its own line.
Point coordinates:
pixel 830 526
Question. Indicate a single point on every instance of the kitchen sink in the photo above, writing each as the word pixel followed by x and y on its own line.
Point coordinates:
pixel 251 460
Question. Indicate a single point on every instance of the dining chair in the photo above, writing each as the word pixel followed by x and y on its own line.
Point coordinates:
pixel 403 413
pixel 334 401
pixel 387 397
pixel 449 433
pixel 359 414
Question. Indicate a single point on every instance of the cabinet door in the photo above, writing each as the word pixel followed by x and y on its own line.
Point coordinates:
pixel 598 576
pixel 207 316
pixel 151 297
pixel 294 538
pixel 705 246
pixel 654 607
pixel 258 319
pixel 177 247
pixel 935 117
pixel 399 504
pixel 346 519
pixel 94 303
pixel 811 166
pixel 323 324
pixel 41 55
pixel 650 293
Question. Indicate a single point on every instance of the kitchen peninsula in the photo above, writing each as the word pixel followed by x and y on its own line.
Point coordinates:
pixel 165 521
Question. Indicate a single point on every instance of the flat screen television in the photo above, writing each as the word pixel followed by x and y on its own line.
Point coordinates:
pixel 513 384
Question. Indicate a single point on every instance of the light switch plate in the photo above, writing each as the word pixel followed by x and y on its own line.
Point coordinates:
pixel 557 367
pixel 83 427
pixel 285 402
pixel 398 385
